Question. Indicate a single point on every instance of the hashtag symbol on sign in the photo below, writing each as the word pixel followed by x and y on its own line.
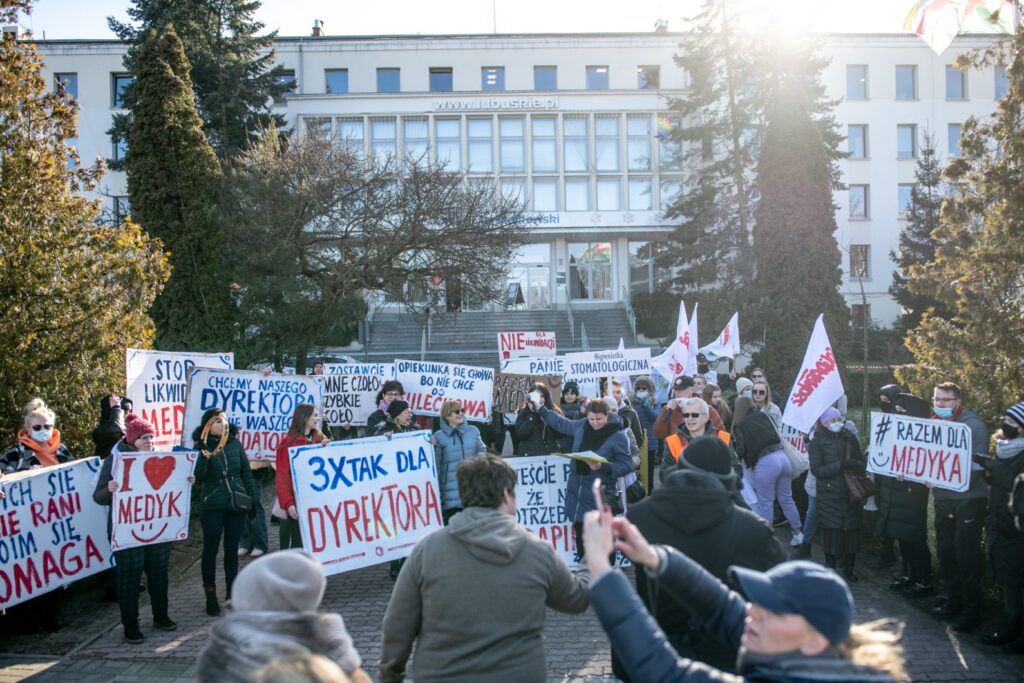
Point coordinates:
pixel 883 428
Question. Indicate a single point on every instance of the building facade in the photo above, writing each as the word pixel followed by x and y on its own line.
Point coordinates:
pixel 574 126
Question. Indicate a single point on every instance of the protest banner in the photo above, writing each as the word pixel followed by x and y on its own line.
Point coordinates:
pixel 260 406
pixel 155 381
pixel 52 533
pixel 428 385
pixel 612 363
pixel 350 390
pixel 794 436
pixel 365 501
pixel 510 390
pixel 818 385
pixel 153 501
pixel 936 452
pixel 525 344
pixel 551 367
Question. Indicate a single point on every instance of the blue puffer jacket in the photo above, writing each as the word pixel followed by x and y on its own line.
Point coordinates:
pixel 451 446
pixel 579 496
pixel 648 410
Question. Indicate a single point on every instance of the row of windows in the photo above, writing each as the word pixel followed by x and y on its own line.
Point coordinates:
pixel 859 200
pixel 906 82
pixel 906 140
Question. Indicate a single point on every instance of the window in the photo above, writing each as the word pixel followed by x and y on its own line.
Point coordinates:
pixel 512 133
pixel 384 138
pixel 859 202
pixel 608 191
pixel 906 82
pixel 120 82
pixel 389 80
pixel 856 82
pixel 319 126
pixel 121 210
pixel 638 142
pixel 906 141
pixel 645 276
pixel 448 143
pixel 350 134
pixel 545 194
pixel 415 135
pixel 597 78
pixel 577 194
pixel 285 79
pixel 72 149
pixel 336 81
pixel 857 141
pixel 545 78
pixel 903 193
pixel 671 190
pixel 639 194
pixel 492 78
pixel 1002 82
pixel 481 158
pixel 606 149
pixel 545 145
pixel 120 148
pixel 441 79
pixel 860 257
pixel 648 77
pixel 514 190
pixel 670 156
pixel 860 314
pixel 590 270
pixel 956 83
pixel 69 82
pixel 574 143
pixel 953 139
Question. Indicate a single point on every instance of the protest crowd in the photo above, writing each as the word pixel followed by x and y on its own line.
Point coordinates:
pixel 681 472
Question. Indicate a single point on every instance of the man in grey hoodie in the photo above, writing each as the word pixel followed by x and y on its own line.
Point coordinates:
pixel 473 594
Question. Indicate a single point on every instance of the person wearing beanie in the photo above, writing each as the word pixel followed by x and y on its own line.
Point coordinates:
pixel 130 562
pixel 389 391
pixel 695 511
pixel 274 614
pixel 572 406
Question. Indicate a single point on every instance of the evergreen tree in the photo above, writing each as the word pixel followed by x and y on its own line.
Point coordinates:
pixel 232 66
pixel 173 184
pixel 73 293
pixel 977 271
pixel 916 245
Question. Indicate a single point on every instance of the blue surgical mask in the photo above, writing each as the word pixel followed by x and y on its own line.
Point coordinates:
pixel 747 392
pixel 642 395
pixel 43 435
pixel 944 413
pixel 835 427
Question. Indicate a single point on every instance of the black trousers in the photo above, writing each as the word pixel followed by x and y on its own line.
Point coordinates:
pixel 217 524
pixel 289 535
pixel 958 528
pixel 154 560
pixel 917 560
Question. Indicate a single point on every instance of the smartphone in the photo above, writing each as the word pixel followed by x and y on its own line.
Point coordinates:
pixel 536 398
pixel 602 505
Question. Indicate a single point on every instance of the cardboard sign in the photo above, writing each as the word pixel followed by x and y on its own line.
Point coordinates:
pixel 156 382
pixel 428 385
pixel 350 390
pixel 366 501
pixel 154 499
pixel 51 532
pixel 936 452
pixel 261 407
pixel 613 363
pixel 510 390
pixel 525 344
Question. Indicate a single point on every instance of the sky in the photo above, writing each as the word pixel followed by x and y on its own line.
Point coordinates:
pixel 63 19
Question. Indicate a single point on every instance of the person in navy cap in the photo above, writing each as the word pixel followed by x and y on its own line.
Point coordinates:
pixel 791 623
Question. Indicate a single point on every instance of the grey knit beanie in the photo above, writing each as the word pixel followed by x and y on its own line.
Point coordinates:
pixel 283 581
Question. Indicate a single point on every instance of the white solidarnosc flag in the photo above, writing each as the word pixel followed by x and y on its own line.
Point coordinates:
pixel 673 361
pixel 817 386
pixel 728 343
pixel 691 355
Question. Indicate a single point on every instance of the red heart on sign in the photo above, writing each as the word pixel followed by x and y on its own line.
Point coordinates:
pixel 158 470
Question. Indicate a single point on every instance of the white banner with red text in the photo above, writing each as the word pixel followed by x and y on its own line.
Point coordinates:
pixel 429 384
pixel 153 499
pixel 526 345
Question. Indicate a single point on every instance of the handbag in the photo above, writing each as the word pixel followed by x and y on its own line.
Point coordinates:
pixel 237 501
pixel 860 487
pixel 798 462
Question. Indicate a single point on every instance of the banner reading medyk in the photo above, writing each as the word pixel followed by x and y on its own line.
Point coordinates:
pixel 365 501
pixel 540 501
pixel 51 532
pixel 156 383
pixel 936 452
pixel 596 364
pixel 261 407
pixel 350 390
pixel 154 498
pixel 428 385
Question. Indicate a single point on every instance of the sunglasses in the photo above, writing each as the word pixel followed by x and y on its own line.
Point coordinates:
pixel 693 415
pixel 458 411
pixel 759 393
pixel 36 428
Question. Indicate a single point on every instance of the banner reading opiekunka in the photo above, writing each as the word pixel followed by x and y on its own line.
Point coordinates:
pixel 428 385
pixel 156 382
pixel 350 390
pixel 818 385
pixel 525 345
pixel 52 533
pixel 936 452
pixel 260 406
pixel 153 499
pixel 366 501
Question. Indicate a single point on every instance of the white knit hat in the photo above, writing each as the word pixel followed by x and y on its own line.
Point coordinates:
pixel 283 581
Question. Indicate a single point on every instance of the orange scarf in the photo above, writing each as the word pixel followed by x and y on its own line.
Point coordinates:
pixel 45 452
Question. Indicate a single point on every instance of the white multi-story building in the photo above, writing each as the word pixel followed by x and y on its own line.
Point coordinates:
pixel 570 123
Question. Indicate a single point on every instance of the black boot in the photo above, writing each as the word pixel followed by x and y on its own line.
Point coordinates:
pixel 830 561
pixel 212 606
pixel 848 573
pixel 802 552
pixel 1008 630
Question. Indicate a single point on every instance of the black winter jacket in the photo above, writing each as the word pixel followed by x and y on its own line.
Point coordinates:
pixel 902 509
pixel 533 437
pixel 110 429
pixel 215 493
pixel 755 436
pixel 832 455
pixel 1005 542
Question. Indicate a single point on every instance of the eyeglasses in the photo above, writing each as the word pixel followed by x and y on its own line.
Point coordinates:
pixel 393 394
pixel 36 428
pixel 693 415
pixel 760 392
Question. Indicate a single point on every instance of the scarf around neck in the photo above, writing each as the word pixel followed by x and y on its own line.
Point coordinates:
pixel 595 438
pixel 46 452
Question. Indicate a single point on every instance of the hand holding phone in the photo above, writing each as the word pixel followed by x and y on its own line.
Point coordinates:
pixel 602 505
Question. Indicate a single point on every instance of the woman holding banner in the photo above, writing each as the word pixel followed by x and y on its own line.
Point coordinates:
pixel 222 471
pixel 454 442
pixel 302 431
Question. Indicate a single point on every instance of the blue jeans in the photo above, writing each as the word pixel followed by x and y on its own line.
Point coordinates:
pixel 254 529
pixel 810 519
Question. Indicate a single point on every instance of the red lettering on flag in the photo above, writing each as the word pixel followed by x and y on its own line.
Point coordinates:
pixel 812 377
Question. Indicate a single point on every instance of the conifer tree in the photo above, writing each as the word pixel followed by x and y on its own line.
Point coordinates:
pixel 173 183
pixel 73 292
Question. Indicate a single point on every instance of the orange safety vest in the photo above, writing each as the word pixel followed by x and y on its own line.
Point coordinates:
pixel 677 443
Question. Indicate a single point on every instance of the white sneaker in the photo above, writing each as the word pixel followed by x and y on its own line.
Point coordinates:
pixel 242 552
pixel 798 540
pixel 256 552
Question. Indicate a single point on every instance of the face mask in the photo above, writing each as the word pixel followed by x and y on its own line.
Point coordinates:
pixel 944 413
pixel 1009 431
pixel 642 395
pixel 835 427
pixel 43 435
pixel 886 406
pixel 747 392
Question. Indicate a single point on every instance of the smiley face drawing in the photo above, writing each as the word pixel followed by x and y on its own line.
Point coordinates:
pixel 148 539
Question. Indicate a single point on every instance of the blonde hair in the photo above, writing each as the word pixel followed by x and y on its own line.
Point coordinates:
pixel 767 391
pixel 876 644
pixel 304 668
pixel 449 407
pixel 37 408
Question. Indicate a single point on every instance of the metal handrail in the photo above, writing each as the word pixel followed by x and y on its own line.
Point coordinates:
pixel 630 313
pixel 584 342
pixel 568 310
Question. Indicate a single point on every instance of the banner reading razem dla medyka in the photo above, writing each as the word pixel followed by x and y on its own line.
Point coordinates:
pixel 350 390
pixel 156 382
pixel 936 452
pixel 429 384
pixel 260 406
pixel 153 499
pixel 52 533
pixel 366 501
